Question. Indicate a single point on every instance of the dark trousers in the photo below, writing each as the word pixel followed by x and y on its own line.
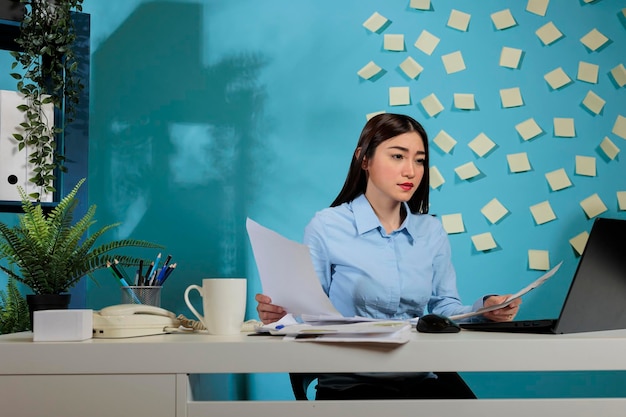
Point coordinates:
pixel 448 385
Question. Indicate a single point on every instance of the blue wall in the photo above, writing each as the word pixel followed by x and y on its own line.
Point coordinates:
pixel 206 112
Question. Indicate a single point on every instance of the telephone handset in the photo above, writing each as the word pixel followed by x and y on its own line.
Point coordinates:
pixel 130 320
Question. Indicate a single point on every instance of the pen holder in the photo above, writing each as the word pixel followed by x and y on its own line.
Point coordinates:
pixel 149 295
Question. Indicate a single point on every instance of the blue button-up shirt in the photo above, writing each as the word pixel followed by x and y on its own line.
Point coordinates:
pixel 367 272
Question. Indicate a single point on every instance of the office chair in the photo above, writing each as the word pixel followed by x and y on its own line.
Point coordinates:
pixel 300 383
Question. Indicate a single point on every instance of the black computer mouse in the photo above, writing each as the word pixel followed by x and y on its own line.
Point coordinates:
pixel 435 323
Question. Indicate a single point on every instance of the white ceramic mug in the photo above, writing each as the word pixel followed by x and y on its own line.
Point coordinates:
pixel 223 304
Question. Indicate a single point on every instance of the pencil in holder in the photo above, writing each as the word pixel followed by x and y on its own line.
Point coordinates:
pixel 149 295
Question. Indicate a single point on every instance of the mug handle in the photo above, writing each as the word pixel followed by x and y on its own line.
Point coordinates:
pixel 193 310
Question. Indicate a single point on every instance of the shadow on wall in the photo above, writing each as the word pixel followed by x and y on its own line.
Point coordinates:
pixel 174 148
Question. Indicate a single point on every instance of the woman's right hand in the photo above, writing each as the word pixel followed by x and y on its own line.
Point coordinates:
pixel 268 312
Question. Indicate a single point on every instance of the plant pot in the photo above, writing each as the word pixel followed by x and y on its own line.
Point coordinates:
pixel 37 302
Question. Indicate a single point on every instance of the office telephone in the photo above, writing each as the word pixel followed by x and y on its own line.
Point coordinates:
pixel 130 320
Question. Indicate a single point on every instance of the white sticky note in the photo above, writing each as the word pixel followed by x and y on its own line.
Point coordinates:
pixel 453 62
pixel 459 20
pixel 564 127
pixel 518 162
pixel 593 206
pixel 369 70
pixel 539 259
pixel 621 200
pixel 427 42
pixel 511 97
pixel 528 129
pixel 548 33
pixel 432 105
pixel 420 4
pixel 372 114
pixel 464 101
pixel 444 141
pixel 594 39
pixel 411 68
pixel 557 78
pixel 436 179
pixel 588 72
pixel 619 75
pixel 481 145
pixel 453 223
pixel 538 7
pixel 619 128
pixel 467 171
pixel 394 42
pixel 494 211
pixel 510 57
pixel 586 165
pixel 609 148
pixel 579 242
pixel 375 22
pixel 484 242
pixel 542 212
pixel 558 179
pixel 399 96
pixel 503 19
pixel 593 102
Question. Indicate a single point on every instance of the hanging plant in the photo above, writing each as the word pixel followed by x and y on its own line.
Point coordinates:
pixel 48 77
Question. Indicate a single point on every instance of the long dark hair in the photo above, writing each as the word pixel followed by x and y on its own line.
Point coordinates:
pixel 377 130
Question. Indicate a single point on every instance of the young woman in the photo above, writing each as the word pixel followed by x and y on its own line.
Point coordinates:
pixel 379 254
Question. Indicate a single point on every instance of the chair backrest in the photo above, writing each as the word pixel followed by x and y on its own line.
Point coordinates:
pixel 300 383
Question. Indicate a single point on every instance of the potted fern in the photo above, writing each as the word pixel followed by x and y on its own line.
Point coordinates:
pixel 52 253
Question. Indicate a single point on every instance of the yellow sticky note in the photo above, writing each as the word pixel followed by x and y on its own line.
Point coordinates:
pixel 619 75
pixel 436 179
pixel 548 33
pixel 594 39
pixel 586 165
pixel 538 7
pixel 453 62
pixel 444 141
pixel 503 19
pixel 453 223
pixel 481 145
pixel 394 42
pixel 588 72
pixel 510 57
pixel 375 22
pixel 593 206
pixel 558 179
pixel 538 259
pixel 579 242
pixel 609 148
pixel 511 97
pixel 619 128
pixel 494 211
pixel 621 200
pixel 467 171
pixel 411 68
pixel 376 113
pixel 557 78
pixel 432 105
pixel 593 102
pixel 528 129
pixel 426 42
pixel 459 20
pixel 464 101
pixel 369 70
pixel 542 212
pixel 420 4
pixel 564 127
pixel 484 242
pixel 518 162
pixel 399 96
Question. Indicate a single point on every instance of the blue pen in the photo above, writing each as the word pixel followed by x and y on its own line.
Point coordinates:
pixel 155 266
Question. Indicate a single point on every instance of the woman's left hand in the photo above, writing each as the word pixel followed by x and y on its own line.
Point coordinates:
pixel 502 314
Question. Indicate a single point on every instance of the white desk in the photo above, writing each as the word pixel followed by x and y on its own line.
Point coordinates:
pixel 147 376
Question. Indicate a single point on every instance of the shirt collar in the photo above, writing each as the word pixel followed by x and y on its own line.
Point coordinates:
pixel 366 219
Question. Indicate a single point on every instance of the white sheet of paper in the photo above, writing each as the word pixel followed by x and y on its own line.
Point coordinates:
pixel 287 273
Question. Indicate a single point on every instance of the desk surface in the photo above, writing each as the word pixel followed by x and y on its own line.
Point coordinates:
pixel 203 353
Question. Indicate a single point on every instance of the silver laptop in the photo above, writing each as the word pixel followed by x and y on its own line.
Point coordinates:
pixel 597 295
